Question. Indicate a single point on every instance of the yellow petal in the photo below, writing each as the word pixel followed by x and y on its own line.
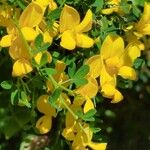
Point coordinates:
pixel 6 41
pixel 44 124
pixel 90 89
pixel 78 100
pixel 47 37
pixel 86 24
pixel 21 67
pixel 60 66
pixel 106 78
pixel 68 40
pixel 95 64
pixel 146 14
pixel 84 41
pixel 70 120
pixel 88 105
pixel 68 134
pixel 69 18
pixel 41 2
pixel 108 90
pixel 97 146
pixel 113 45
pixel 18 50
pixel 38 57
pixel 29 33
pixel 44 106
pixel 117 97
pixel 133 52
pixel 52 5
pixel 109 11
pixel 127 73
pixel 31 16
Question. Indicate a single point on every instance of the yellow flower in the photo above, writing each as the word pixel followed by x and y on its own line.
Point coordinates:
pixel 81 137
pixel 143 26
pixel 44 124
pixel 87 92
pixel 73 30
pixel 113 7
pixel 113 60
pixel 31 23
pixel 59 77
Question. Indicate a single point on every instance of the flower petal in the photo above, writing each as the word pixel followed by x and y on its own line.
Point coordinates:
pixel 95 64
pixel 88 105
pixel 68 133
pixel 21 67
pixel 90 89
pixel 106 78
pixel 113 45
pixel 86 23
pixel 6 41
pixel 97 146
pixel 44 106
pixel 117 97
pixel 108 90
pixel 84 41
pixel 44 124
pixel 52 5
pixel 31 16
pixel 18 50
pixel 29 33
pixel 69 18
pixel 39 55
pixel 127 73
pixel 67 40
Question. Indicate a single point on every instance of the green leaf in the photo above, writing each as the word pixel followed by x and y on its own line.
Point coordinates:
pixel 95 130
pixel 55 14
pixel 138 63
pixel 44 59
pixel 80 82
pixel 24 99
pixel 54 97
pixel 98 4
pixel 136 11
pixel 14 97
pixel 38 40
pixel 89 116
pixel 48 71
pixel 7 85
pixel 71 70
pixel 81 72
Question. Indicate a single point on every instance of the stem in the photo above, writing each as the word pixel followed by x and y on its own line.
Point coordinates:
pixel 56 85
pixel 22 36
pixel 68 108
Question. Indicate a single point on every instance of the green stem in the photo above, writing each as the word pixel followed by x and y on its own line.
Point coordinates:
pixel 68 108
pixel 56 85
pixel 22 36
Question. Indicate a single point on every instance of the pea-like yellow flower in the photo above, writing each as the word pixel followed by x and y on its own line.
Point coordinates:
pixel 86 92
pixel 143 26
pixel 31 23
pixel 80 137
pixel 44 124
pixel 113 60
pixel 72 29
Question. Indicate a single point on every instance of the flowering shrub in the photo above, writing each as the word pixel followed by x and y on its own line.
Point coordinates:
pixel 60 59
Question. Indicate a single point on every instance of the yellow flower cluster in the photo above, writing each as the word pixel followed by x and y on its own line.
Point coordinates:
pixel 115 58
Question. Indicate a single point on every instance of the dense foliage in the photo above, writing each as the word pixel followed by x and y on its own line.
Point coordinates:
pixel 74 74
